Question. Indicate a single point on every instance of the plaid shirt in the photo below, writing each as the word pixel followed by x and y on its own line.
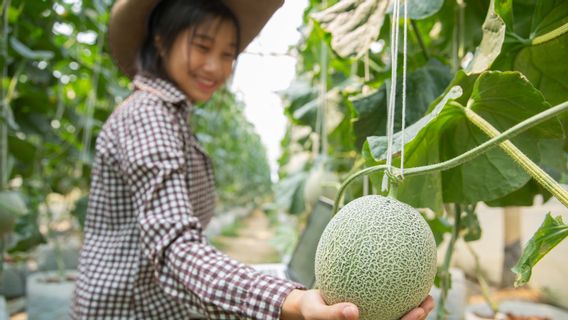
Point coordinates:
pixel 144 254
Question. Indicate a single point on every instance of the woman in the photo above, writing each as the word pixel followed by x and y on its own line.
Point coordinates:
pixel 144 255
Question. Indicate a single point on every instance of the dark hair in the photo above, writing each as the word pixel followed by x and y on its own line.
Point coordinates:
pixel 171 17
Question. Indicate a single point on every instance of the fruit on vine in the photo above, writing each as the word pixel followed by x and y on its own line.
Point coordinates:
pixel 320 182
pixel 379 254
pixel 11 206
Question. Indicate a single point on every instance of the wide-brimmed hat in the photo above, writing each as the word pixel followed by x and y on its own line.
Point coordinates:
pixel 128 20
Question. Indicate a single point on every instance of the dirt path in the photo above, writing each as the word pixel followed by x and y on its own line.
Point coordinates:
pixel 252 243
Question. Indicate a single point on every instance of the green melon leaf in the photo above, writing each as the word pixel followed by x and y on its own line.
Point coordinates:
pixel 551 232
pixel 421 9
pixel 423 86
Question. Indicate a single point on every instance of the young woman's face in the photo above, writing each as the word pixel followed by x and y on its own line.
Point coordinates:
pixel 201 59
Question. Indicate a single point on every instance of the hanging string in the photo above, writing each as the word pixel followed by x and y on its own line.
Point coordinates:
pixel 321 129
pixel 392 95
pixel 404 68
pixel 323 97
pixel 366 182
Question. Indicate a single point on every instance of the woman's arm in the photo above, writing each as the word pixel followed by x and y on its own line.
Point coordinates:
pixel 186 267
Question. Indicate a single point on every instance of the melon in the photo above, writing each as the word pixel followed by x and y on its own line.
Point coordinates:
pixel 11 206
pixel 320 182
pixel 379 254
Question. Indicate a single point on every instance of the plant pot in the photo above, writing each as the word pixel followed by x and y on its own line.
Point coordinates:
pixel 47 257
pixel 13 281
pixel 516 310
pixel 48 297
pixel 3 309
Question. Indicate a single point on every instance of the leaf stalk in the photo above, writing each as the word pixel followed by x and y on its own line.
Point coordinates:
pixel 550 35
pixel 520 158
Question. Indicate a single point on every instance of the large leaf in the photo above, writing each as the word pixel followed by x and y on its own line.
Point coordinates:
pixel 541 57
pixel 502 98
pixel 290 193
pixel 491 43
pixel 424 85
pixel 380 143
pixel 421 9
pixel 549 234
pixel 353 24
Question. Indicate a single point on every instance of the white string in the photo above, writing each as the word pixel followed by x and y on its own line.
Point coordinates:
pixel 392 96
pixel 405 56
pixel 366 179
pixel 323 93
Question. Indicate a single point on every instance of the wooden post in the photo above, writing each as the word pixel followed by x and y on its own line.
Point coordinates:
pixel 512 243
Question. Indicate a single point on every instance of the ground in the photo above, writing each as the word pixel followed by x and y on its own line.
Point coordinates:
pixel 249 242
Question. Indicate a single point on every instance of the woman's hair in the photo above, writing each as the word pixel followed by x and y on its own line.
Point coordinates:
pixel 170 18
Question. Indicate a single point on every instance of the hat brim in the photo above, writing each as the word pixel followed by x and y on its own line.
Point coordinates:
pixel 127 26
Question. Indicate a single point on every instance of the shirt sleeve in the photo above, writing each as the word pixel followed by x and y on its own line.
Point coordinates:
pixel 187 268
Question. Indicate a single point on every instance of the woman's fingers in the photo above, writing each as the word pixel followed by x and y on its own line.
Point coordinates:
pixel 340 311
pixel 415 314
pixel 314 308
pixel 422 311
pixel 428 304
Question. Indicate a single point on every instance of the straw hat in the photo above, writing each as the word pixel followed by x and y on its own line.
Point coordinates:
pixel 127 27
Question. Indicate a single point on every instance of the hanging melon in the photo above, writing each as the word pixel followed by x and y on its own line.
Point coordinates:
pixel 379 254
pixel 320 182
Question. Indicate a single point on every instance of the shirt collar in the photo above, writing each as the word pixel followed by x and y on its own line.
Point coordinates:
pixel 160 87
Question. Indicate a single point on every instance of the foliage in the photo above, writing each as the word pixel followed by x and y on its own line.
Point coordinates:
pixel 59 85
pixel 549 234
pixel 238 155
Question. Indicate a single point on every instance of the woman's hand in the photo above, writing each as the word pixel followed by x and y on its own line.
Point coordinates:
pixel 309 305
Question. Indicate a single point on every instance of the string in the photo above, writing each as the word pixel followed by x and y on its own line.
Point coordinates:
pixel 404 68
pixel 392 95
pixel 366 182
pixel 320 119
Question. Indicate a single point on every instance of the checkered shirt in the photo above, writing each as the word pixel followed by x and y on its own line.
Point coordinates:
pixel 144 254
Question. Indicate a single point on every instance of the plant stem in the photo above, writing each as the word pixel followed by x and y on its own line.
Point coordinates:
pixel 550 35
pixel 2 247
pixel 485 290
pixel 463 158
pixel 520 158
pixel 419 39
pixel 4 103
pixel 445 273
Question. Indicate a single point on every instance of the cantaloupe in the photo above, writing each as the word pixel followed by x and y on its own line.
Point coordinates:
pixel 379 254
pixel 11 205
pixel 320 182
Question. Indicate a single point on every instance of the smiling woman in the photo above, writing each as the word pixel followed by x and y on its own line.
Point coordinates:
pixel 201 60
pixel 198 58
pixel 152 193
